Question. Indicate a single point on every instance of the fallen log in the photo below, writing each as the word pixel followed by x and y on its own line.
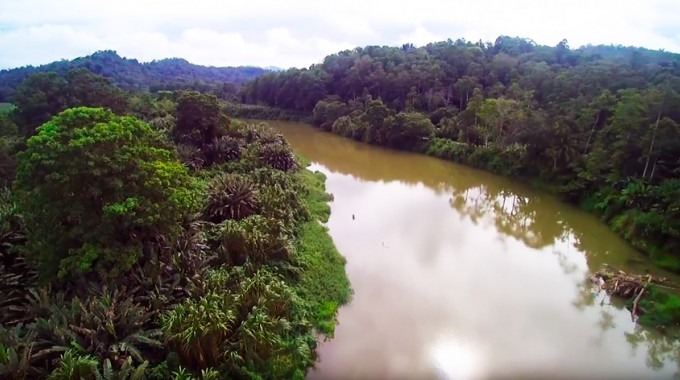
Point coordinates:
pixel 628 286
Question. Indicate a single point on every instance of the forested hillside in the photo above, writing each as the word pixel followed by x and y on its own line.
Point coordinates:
pixel 150 236
pixel 600 125
pixel 166 74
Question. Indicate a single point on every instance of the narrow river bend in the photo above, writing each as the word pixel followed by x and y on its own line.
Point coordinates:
pixel 458 273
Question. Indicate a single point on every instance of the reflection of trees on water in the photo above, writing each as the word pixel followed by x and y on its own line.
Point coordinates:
pixel 517 211
pixel 512 214
pixel 661 347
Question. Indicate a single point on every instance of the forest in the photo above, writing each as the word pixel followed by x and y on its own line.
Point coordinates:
pixel 147 233
pixel 598 125
pixel 151 236
pixel 166 74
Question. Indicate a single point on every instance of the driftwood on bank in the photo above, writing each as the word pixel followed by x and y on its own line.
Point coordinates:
pixel 629 286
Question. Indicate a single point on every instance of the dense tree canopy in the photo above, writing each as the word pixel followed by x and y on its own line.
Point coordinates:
pixel 156 238
pixel 45 94
pixel 95 188
pixel 593 123
pixel 129 74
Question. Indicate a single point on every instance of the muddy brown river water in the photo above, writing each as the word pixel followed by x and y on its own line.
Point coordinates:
pixel 458 273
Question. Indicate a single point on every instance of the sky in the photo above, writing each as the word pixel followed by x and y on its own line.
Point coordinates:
pixel 295 33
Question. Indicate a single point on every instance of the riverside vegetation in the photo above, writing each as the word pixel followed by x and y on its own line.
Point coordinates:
pixel 598 125
pixel 151 236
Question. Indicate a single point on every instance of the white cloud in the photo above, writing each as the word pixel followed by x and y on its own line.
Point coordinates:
pixel 299 33
pixel 420 36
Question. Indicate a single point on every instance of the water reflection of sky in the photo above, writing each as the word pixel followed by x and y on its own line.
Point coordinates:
pixel 471 284
pixel 461 274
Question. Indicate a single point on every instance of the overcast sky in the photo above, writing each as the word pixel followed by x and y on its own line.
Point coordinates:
pixel 299 33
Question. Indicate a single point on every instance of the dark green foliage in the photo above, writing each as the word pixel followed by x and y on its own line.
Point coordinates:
pixel 327 111
pixel 200 120
pixel 157 260
pixel 165 74
pixel 261 112
pixel 38 98
pixel 408 131
pixel 10 143
pixel 585 122
pixel 45 94
pixel 235 295
pixel 231 196
pixel 95 189
pixel 15 275
pixel 190 156
pixel 224 149
pixel 278 156
pixel 660 308
pixel 255 239
pixel 108 325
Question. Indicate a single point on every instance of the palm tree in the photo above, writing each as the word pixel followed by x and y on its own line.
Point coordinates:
pixel 231 196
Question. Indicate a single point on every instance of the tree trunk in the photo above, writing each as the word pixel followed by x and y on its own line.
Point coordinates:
pixel 592 131
pixel 653 169
pixel 651 145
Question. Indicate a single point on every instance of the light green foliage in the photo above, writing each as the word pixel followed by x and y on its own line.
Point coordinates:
pixel 245 321
pixel 6 108
pixel 94 187
pixel 448 150
pixel 205 374
pixel 323 283
pixel 661 308
pixel 73 366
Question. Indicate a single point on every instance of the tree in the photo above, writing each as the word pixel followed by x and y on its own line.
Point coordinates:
pixel 199 119
pixel 498 113
pixel 375 113
pixel 407 130
pixel 88 89
pixel 96 190
pixel 39 97
pixel 327 111
pixel 43 95
pixel 561 149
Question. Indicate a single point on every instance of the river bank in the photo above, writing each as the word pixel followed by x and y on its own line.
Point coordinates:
pixel 603 203
pixel 461 273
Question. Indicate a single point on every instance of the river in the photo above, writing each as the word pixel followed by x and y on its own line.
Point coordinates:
pixel 458 273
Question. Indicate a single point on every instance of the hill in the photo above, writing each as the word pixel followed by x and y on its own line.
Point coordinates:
pixel 130 74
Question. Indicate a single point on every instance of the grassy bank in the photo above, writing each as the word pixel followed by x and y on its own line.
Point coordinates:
pixel 324 284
